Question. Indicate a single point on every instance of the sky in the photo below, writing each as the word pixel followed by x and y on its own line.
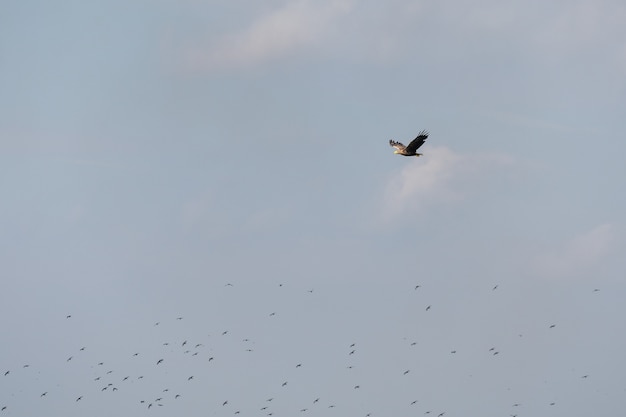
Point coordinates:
pixel 210 184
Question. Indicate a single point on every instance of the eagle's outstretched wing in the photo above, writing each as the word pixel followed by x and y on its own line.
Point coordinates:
pixel 417 142
pixel 397 145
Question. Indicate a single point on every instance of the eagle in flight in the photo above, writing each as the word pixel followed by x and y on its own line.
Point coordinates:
pixel 413 146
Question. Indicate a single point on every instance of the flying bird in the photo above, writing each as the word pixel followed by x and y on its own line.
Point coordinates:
pixel 411 149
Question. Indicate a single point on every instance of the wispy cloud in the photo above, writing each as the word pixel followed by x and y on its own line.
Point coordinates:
pixel 439 177
pixel 578 254
pixel 285 29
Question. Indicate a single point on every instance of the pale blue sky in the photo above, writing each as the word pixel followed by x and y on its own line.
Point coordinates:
pixel 151 152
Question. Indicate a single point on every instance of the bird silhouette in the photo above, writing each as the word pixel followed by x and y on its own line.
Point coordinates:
pixel 159 361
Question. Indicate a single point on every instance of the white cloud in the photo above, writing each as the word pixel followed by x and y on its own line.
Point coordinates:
pixel 440 176
pixel 294 25
pixel 577 255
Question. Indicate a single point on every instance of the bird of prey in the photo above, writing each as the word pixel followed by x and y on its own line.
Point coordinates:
pixel 411 149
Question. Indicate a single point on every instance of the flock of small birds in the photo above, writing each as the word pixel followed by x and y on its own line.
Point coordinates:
pixel 162 362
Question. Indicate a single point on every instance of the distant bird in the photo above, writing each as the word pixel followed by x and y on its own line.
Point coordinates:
pixel 596 290
pixel 315 400
pixel 453 351
pixel 284 383
pixel 417 286
pixel 79 398
pixel 184 343
pixel 298 365
pixel 411 149
pixel 135 354
pixel 125 378
pixel 176 396
pixel 190 378
pixel 25 366
pixel 413 402
pixel 179 318
pixel 406 372
pixel 44 394
pixel 3 408
pixel 97 379
pixel 357 386
pixel 100 363
pixel 69 359
pixel 494 288
pixel 224 403
pixel 552 326
pixel 7 373
pixel 211 358
pixel 352 352
pixel 68 316
pixel 585 376
pixel 83 348
pixel 272 314
pixel 159 361
pixel 353 345
pixel 427 308
pixel 224 332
